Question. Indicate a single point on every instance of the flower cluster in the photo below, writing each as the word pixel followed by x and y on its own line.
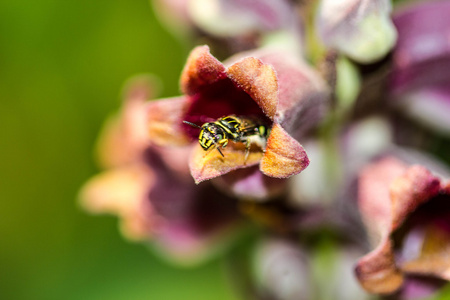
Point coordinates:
pixel 320 136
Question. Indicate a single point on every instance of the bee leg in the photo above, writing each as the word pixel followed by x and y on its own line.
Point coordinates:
pixel 247 150
pixel 223 142
pixel 218 149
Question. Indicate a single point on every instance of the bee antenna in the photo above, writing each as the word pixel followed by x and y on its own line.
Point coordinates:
pixel 192 124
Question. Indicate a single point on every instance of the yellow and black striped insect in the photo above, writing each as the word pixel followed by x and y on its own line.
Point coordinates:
pixel 238 129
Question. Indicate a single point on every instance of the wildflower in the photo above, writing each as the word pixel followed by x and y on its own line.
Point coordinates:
pixel 406 211
pixel 274 87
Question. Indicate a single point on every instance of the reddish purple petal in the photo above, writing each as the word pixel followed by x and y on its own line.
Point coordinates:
pixel 194 219
pixel 374 200
pixel 201 69
pixel 259 81
pixel 407 212
pixel 420 77
pixel 409 191
pixel 377 272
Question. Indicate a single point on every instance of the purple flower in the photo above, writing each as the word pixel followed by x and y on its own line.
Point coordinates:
pixel 272 86
pixel 406 210
pixel 420 80
pixel 361 29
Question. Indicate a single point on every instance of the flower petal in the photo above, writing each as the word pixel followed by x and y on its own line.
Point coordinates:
pixel 207 165
pixel 374 200
pixel 284 156
pixel 124 136
pixel 195 220
pixel 302 95
pixel 250 183
pixel 259 80
pixel 121 192
pixel 201 69
pixel 410 190
pixel 361 29
pixel 237 17
pixel 282 271
pixel 420 77
pixel 165 122
pixel 377 272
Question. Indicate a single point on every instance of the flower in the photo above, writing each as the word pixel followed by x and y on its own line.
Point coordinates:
pixel 151 191
pixel 232 25
pixel 272 86
pixel 406 210
pixel 361 29
pixel 421 58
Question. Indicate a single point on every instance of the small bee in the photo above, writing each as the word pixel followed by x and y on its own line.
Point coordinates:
pixel 238 129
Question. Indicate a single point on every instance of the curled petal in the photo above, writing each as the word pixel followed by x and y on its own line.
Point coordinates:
pixel 377 272
pixel 165 120
pixel 259 80
pixel 373 195
pixel 201 69
pixel 284 156
pixel 409 191
pixel 407 211
pixel 302 95
pixel 207 165
pixel 362 29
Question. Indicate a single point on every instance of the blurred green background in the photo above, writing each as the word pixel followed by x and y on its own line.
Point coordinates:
pixel 62 66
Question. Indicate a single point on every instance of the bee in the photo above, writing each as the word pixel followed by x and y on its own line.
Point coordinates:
pixel 238 129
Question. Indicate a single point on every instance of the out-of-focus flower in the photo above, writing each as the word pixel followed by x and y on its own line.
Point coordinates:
pixel 406 210
pixel 286 269
pixel 237 24
pixel 282 271
pixel 274 87
pixel 420 78
pixel 151 191
pixel 361 29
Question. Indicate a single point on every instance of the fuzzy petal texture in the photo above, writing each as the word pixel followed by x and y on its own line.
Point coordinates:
pixel 303 96
pixel 201 69
pixel 207 165
pixel 361 29
pixel 284 156
pixel 271 86
pixel 259 81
